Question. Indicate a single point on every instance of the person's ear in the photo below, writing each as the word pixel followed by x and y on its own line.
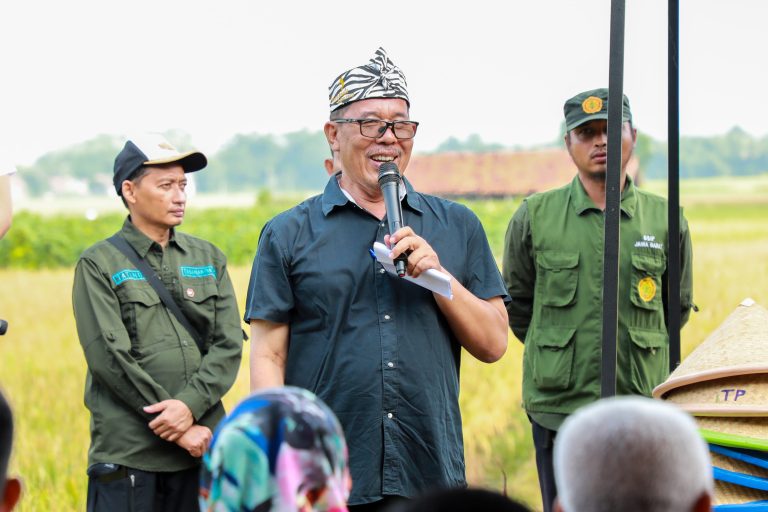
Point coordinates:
pixel 11 494
pixel 331 132
pixel 129 191
pixel 703 504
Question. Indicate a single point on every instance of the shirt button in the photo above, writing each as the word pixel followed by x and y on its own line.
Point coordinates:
pixel 184 342
pixel 389 415
pixel 386 317
pixel 391 364
pixel 381 271
pixel 382 224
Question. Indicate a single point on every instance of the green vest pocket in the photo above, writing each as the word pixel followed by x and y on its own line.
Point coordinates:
pixel 646 287
pixel 649 358
pixel 556 277
pixel 552 360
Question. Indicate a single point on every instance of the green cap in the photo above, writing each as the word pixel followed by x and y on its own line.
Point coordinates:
pixel 590 105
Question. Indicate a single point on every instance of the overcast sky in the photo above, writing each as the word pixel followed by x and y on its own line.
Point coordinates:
pixel 73 69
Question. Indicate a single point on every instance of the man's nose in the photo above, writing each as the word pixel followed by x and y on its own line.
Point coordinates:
pixel 389 135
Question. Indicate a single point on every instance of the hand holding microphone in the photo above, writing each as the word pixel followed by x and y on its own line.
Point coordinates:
pixel 389 182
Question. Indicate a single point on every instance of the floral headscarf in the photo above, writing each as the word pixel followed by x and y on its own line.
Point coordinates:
pixel 280 450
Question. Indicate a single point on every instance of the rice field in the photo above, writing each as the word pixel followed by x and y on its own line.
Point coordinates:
pixel 42 368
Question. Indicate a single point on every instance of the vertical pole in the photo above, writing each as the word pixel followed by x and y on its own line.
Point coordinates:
pixel 673 180
pixel 612 202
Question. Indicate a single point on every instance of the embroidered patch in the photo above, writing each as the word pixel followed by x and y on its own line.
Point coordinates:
pixel 127 275
pixel 647 289
pixel 198 272
pixel 592 105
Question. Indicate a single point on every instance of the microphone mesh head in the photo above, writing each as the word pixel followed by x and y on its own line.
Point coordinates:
pixel 388 172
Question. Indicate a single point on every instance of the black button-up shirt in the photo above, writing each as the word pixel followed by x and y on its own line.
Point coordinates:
pixel 374 347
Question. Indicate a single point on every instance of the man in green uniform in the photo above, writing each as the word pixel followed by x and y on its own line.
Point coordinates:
pixel 553 265
pixel 153 386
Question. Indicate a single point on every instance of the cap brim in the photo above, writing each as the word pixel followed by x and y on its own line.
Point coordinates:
pixel 191 161
pixel 587 119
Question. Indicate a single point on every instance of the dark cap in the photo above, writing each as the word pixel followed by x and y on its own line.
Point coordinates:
pixel 152 149
pixel 590 105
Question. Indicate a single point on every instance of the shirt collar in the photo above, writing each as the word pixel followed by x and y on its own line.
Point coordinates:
pixel 334 196
pixel 582 203
pixel 141 242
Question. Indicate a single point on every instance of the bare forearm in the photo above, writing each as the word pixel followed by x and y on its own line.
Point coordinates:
pixel 269 352
pixel 480 325
pixel 266 372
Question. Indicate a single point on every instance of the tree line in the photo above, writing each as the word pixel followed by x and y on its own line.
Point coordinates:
pixel 294 161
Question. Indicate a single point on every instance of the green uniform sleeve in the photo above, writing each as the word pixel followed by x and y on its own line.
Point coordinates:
pixel 220 364
pixel 519 272
pixel 686 272
pixel 105 340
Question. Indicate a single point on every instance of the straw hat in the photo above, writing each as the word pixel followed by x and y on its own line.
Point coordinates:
pixel 732 494
pixel 750 433
pixel 741 395
pixel 737 348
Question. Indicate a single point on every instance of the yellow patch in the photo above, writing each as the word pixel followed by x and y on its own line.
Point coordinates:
pixel 592 105
pixel 647 289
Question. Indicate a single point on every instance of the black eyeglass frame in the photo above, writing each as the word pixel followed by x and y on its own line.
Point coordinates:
pixel 388 125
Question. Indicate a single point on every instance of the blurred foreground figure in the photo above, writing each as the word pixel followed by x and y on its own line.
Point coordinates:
pixel 632 454
pixel 281 450
pixel 10 488
pixel 460 500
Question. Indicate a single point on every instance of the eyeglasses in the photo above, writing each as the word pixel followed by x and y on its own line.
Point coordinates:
pixel 376 128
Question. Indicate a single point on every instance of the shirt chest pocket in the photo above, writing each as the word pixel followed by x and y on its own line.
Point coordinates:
pixel 647 271
pixel 200 299
pixel 143 314
pixel 557 277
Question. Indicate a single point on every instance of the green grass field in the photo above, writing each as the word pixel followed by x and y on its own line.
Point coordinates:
pixel 42 368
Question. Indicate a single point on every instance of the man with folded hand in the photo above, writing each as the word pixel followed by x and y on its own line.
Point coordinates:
pixel 155 379
pixel 382 352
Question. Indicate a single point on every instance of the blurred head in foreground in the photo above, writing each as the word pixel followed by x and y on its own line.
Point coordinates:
pixel 280 450
pixel 631 454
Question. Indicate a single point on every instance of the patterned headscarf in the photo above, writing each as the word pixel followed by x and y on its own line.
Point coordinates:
pixel 379 78
pixel 280 450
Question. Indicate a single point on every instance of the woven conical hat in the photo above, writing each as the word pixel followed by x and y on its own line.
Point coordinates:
pixel 738 347
pixel 749 433
pixel 740 395
pixel 732 494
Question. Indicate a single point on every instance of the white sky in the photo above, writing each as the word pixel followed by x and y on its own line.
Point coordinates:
pixel 73 69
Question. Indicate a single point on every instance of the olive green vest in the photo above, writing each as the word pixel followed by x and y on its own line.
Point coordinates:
pixel 561 364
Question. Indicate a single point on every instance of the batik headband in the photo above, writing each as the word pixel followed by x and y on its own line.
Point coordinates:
pixel 379 78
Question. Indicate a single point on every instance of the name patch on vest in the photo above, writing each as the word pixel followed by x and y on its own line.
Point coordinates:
pixel 127 275
pixel 198 272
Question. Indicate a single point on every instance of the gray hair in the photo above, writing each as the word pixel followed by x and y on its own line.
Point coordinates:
pixel 631 454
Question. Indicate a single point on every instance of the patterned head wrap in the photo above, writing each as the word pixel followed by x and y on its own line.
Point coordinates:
pixel 379 78
pixel 280 450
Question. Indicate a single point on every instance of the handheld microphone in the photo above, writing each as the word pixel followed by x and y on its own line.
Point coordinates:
pixel 389 181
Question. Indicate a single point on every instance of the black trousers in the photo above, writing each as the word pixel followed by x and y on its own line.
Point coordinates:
pixel 544 442
pixel 113 488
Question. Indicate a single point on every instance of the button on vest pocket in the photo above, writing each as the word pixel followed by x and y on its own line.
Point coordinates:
pixel 552 361
pixel 557 277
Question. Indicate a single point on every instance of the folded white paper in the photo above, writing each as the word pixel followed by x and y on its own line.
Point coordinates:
pixel 432 279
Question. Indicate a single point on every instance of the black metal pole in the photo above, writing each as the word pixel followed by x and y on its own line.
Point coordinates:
pixel 673 180
pixel 612 202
